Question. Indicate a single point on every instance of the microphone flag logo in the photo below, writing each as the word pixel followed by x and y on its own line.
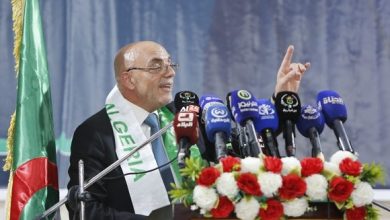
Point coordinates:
pixel 219 112
pixel 265 109
pixel 310 113
pixel 188 97
pixel 289 101
pixel 244 94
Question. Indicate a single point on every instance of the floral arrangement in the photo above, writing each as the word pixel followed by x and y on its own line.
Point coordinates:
pixel 270 188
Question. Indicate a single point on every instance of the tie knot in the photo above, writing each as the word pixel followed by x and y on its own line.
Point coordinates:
pixel 152 121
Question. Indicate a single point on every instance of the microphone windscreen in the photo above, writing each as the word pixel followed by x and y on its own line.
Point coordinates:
pixel 268 117
pixel 217 120
pixel 288 106
pixel 206 101
pixel 186 101
pixel 243 106
pixel 310 117
pixel 185 125
pixel 332 106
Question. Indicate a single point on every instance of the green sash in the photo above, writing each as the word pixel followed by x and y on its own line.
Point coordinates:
pixel 166 116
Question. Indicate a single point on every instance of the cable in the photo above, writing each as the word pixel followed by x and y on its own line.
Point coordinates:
pixel 381 206
pixel 146 171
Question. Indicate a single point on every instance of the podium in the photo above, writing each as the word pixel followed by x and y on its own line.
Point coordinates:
pixel 319 210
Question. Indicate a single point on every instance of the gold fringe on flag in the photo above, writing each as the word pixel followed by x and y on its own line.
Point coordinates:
pixel 10 144
pixel 17 18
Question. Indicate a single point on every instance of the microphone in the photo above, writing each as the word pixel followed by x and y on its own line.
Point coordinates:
pixel 245 111
pixel 288 107
pixel 238 133
pixel 311 124
pixel 335 114
pixel 218 128
pixel 185 125
pixel 205 102
pixel 186 101
pixel 267 125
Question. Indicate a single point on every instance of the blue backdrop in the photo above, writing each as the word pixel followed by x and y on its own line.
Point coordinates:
pixel 220 46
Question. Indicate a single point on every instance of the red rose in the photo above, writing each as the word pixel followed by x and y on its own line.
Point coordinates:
pixel 311 165
pixel 293 186
pixel 224 208
pixel 208 176
pixel 274 210
pixel 247 182
pixel 230 163
pixel 273 164
pixel 340 189
pixel 351 167
pixel 356 213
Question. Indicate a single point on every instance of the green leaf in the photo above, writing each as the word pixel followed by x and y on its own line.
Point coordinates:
pixel 181 194
pixel 372 213
pixel 328 174
pixel 373 173
pixel 192 169
pixel 353 179
pixel 349 204
pixel 339 205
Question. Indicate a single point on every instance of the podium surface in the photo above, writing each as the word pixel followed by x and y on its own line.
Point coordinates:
pixel 319 210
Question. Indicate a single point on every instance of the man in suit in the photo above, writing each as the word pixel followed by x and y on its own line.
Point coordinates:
pixel 144 73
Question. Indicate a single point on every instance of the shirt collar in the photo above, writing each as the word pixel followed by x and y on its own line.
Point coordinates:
pixel 140 113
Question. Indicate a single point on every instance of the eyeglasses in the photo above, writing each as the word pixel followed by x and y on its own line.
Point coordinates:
pixel 157 68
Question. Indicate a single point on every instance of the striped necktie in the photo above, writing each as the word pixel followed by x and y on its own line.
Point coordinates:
pixel 159 151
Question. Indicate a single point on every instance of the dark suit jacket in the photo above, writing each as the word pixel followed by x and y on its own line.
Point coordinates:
pixel 94 143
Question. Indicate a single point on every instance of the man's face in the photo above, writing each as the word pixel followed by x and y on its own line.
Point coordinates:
pixel 152 85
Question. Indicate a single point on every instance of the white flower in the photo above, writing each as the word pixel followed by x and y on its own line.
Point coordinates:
pixel 251 164
pixel 316 187
pixel 363 194
pixel 194 207
pixel 204 197
pixel 269 183
pixel 226 185
pixel 295 208
pixel 340 155
pixel 247 209
pixel 333 168
pixel 290 164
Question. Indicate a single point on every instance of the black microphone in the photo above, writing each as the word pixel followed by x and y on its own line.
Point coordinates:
pixel 311 124
pixel 267 125
pixel 187 101
pixel 288 107
pixel 335 113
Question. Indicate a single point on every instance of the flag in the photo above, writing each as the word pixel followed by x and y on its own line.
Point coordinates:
pixel 31 159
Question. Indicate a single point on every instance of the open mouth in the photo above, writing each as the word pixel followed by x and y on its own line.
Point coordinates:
pixel 166 86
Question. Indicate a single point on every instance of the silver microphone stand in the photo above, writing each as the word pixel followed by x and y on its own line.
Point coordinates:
pixel 81 184
pixel 105 171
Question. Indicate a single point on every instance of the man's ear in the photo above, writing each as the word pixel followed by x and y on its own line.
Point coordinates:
pixel 127 79
pixel 130 80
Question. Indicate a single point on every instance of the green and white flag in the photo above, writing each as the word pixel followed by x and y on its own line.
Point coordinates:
pixel 31 159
